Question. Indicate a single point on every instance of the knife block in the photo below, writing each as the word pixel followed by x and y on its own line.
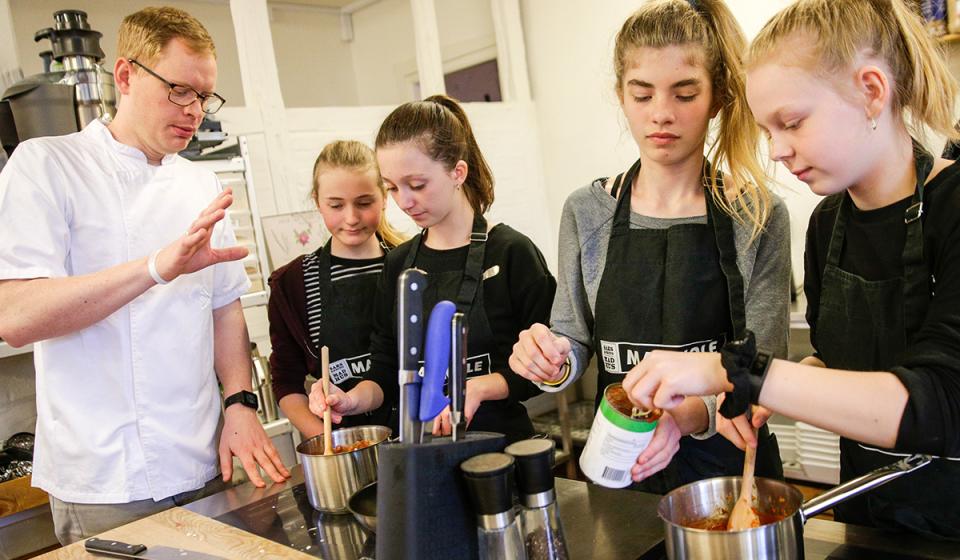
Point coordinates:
pixel 423 512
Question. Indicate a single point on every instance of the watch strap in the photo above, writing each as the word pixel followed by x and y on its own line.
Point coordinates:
pixel 246 398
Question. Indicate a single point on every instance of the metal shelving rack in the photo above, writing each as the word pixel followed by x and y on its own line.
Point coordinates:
pixel 244 216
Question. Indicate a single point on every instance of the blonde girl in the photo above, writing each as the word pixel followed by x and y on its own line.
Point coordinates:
pixel 685 250
pixel 325 298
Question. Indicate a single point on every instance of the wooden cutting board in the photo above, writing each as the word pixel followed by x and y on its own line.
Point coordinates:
pixel 180 528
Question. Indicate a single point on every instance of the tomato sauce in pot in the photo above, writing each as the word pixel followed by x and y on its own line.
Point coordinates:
pixel 717 521
pixel 349 447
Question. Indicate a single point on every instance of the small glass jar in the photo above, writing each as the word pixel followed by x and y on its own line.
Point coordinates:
pixel 539 515
pixel 489 479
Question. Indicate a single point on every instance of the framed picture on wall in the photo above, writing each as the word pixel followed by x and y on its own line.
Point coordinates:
pixel 291 235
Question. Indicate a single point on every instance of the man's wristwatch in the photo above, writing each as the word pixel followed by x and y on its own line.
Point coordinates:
pixel 246 398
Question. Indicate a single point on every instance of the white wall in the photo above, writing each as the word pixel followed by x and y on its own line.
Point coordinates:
pixel 378 66
pixel 315 65
pixel 384 53
pixel 105 16
pixel 466 33
pixel 10 71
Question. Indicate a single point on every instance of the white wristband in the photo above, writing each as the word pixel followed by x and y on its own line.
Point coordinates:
pixel 152 268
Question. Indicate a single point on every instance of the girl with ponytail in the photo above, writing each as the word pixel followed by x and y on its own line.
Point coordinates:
pixel 845 90
pixel 688 238
pixel 434 170
pixel 325 298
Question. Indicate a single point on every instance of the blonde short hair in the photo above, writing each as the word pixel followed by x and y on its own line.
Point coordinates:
pixel 144 34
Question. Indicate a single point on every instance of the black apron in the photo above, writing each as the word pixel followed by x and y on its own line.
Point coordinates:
pixel 675 289
pixel 465 289
pixel 865 325
pixel 346 321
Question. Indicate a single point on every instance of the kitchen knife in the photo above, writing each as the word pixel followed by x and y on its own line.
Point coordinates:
pixel 436 361
pixel 410 337
pixel 458 373
pixel 119 549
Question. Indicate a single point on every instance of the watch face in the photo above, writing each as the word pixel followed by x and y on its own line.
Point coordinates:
pixel 250 399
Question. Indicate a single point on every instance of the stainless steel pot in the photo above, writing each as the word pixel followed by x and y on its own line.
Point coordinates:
pixel 782 539
pixel 330 480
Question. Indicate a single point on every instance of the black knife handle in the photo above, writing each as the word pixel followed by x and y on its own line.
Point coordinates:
pixel 113 548
pixel 410 320
pixel 458 362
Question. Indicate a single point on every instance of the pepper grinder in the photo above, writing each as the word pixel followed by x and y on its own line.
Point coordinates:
pixel 489 479
pixel 539 516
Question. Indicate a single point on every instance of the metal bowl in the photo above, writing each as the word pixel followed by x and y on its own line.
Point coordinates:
pixel 363 506
pixel 331 479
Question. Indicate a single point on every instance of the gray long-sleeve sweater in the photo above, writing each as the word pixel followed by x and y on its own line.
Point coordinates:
pixel 584 235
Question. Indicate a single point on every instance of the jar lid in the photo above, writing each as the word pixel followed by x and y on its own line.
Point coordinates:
pixel 535 461
pixel 489 479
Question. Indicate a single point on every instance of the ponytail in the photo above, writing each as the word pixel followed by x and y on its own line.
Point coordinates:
pixel 353 155
pixel 440 127
pixel 837 31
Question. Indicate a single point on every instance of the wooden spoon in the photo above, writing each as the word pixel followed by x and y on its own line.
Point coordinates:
pixel 743 516
pixel 325 379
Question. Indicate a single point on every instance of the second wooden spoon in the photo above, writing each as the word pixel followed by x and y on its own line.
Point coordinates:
pixel 743 515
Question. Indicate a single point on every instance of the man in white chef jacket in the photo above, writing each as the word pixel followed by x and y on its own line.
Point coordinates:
pixel 116 262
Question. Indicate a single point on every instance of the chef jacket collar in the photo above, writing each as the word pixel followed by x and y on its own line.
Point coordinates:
pixel 99 128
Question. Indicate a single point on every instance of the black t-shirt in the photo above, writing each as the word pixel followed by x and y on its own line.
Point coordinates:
pixel 519 295
pixel 930 365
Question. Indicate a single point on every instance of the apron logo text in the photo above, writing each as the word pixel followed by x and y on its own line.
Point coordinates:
pixel 620 357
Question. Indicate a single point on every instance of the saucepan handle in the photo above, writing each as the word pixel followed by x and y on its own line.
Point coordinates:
pixel 862 484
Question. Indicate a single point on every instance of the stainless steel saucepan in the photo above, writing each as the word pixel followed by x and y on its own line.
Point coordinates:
pixel 330 480
pixel 782 539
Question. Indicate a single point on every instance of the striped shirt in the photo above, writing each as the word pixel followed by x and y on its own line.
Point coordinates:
pixel 340 269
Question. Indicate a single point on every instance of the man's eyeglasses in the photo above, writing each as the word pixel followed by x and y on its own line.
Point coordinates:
pixel 184 96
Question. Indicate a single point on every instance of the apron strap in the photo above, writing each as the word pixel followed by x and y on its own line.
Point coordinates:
pixel 916 286
pixel 916 279
pixel 473 269
pixel 722 225
pixel 383 244
pixel 319 268
pixel 621 216
pixel 615 188
pixel 411 258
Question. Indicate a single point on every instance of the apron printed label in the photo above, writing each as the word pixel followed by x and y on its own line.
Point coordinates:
pixel 476 365
pixel 620 357
pixel 349 368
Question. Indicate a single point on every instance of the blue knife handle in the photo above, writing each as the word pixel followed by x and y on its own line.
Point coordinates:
pixel 437 352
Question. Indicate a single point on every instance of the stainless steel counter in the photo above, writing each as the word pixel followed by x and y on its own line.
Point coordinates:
pixel 599 524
